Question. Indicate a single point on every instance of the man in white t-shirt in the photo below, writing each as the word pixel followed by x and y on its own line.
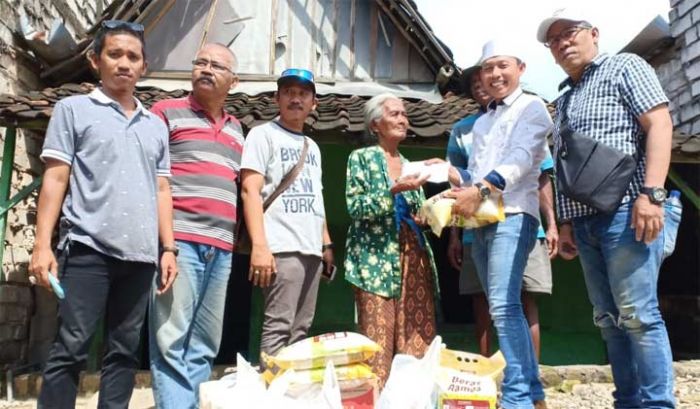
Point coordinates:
pixel 289 239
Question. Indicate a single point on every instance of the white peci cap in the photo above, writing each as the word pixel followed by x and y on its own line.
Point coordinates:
pixel 495 48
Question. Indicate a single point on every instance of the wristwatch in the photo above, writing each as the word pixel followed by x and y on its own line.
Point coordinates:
pixel 657 195
pixel 484 191
pixel 172 249
pixel 327 246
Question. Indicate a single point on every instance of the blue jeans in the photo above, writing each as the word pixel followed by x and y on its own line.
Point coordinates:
pixel 621 277
pixel 185 325
pixel 500 253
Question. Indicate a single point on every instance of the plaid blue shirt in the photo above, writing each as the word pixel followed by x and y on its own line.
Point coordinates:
pixel 605 104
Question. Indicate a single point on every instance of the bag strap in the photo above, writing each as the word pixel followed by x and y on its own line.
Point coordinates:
pixel 565 107
pixel 288 179
pixel 564 124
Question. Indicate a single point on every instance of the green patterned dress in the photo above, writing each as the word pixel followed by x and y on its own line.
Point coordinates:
pixel 372 261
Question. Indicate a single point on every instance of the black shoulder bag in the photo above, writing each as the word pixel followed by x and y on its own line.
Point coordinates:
pixel 589 171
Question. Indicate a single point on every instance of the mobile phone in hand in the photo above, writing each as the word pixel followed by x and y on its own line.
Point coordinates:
pixel 56 286
pixel 328 272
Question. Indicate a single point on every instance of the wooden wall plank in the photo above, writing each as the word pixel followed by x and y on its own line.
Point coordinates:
pixel 400 55
pixel 282 37
pixel 344 48
pixel 383 66
pixel 325 38
pixel 418 69
pixel 245 28
pixel 173 42
pixel 302 46
pixel 363 34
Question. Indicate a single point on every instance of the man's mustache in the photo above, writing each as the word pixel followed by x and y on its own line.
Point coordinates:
pixel 295 106
pixel 205 79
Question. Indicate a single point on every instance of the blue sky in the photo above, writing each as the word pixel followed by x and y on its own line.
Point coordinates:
pixel 465 25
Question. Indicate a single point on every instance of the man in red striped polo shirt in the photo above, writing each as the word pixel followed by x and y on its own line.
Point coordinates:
pixel 206 144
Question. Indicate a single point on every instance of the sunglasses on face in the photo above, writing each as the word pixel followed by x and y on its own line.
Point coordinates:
pixel 298 72
pixel 121 24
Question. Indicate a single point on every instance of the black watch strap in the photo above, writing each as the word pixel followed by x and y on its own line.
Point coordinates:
pixel 170 249
pixel 484 191
pixel 657 195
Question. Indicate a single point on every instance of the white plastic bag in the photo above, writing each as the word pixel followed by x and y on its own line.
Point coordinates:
pixel 246 389
pixel 411 383
pixel 242 389
pixel 324 395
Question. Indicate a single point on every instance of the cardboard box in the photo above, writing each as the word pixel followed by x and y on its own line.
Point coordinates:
pixel 359 394
pixel 464 404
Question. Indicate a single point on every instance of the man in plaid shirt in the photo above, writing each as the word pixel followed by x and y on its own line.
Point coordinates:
pixel 618 101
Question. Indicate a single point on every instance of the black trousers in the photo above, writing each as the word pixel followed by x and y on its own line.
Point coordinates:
pixel 96 286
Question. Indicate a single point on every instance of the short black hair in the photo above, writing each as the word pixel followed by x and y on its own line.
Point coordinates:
pixel 99 41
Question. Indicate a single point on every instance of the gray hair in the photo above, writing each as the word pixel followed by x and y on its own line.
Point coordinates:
pixel 374 109
pixel 234 59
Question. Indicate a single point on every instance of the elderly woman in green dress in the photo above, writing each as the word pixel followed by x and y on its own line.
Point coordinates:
pixel 388 260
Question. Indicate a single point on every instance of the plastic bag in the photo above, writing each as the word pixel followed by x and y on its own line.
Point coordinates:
pixel 343 373
pixel 246 389
pixel 437 211
pixel 411 383
pixel 341 348
pixel 242 389
pixel 324 395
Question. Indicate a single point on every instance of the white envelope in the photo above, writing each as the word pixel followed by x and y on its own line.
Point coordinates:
pixel 438 172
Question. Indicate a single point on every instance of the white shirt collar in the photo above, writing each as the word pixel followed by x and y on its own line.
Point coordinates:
pixel 510 99
pixel 98 95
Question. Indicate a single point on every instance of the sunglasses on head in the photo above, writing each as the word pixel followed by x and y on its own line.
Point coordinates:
pixel 121 24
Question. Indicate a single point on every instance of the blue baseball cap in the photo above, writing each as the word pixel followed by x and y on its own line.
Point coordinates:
pixel 301 75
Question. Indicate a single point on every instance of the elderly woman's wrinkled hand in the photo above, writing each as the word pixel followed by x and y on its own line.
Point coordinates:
pixel 409 182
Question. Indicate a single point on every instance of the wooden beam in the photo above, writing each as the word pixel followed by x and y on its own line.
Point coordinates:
pixel 134 8
pixel 410 39
pixel 207 25
pixel 427 31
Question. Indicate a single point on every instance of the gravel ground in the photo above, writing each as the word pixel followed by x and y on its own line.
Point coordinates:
pixel 573 395
pixel 570 395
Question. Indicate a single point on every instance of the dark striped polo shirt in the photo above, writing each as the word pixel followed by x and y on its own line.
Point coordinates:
pixel 205 164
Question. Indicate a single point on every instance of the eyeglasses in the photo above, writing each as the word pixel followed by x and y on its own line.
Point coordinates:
pixel 202 63
pixel 121 24
pixel 565 35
